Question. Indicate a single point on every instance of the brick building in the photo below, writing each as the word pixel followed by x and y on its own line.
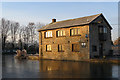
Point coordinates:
pixel 75 39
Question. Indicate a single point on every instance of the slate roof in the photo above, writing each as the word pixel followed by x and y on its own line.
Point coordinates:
pixel 70 22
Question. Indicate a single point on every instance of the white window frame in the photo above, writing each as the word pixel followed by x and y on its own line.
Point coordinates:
pixel 48 34
pixel 60 33
pixel 75 31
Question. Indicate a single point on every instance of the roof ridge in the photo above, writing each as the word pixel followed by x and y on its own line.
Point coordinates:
pixel 96 17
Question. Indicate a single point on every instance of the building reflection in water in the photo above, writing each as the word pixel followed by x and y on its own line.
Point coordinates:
pixel 75 69
pixel 14 68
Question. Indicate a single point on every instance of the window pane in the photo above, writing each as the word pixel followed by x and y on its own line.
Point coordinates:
pixel 46 34
pixel 78 31
pixel 75 31
pixel 100 29
pixel 60 48
pixel 48 47
pixel 105 30
pixel 50 33
pixel 58 33
pixel 72 32
pixel 63 33
pixel 76 47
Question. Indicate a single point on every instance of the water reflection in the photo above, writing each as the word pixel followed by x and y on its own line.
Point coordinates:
pixel 13 68
pixel 76 69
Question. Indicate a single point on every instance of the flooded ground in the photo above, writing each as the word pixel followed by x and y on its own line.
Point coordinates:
pixel 13 68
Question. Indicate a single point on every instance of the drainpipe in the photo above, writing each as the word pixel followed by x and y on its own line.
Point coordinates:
pixel 40 44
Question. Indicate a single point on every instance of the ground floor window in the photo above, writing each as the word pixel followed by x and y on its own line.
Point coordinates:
pixel 60 48
pixel 48 48
pixel 94 48
pixel 76 47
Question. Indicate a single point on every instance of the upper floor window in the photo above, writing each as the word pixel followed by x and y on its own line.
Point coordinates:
pixel 48 34
pixel 48 48
pixel 75 31
pixel 60 33
pixel 105 30
pixel 102 29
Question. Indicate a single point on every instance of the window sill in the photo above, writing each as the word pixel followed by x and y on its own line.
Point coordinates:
pixel 47 37
pixel 48 51
pixel 75 51
pixel 60 51
pixel 75 35
pixel 60 36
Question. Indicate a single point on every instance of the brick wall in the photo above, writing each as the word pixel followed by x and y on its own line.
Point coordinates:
pixel 67 41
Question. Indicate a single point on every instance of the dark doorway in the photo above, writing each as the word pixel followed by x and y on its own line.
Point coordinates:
pixel 101 50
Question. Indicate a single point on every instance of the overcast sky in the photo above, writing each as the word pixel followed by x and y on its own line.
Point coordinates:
pixel 24 12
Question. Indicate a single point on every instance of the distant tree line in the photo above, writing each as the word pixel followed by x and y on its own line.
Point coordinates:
pixel 116 47
pixel 117 41
pixel 14 36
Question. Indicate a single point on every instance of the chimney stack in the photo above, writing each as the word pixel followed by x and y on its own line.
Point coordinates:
pixel 53 20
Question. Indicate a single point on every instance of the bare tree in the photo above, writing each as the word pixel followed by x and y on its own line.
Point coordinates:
pixel 20 33
pixel 32 28
pixel 5 28
pixel 38 26
pixel 13 28
pixel 20 41
pixel 26 36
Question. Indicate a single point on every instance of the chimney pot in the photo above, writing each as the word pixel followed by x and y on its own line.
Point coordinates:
pixel 53 20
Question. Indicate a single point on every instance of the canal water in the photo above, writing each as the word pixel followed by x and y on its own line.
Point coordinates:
pixel 14 68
